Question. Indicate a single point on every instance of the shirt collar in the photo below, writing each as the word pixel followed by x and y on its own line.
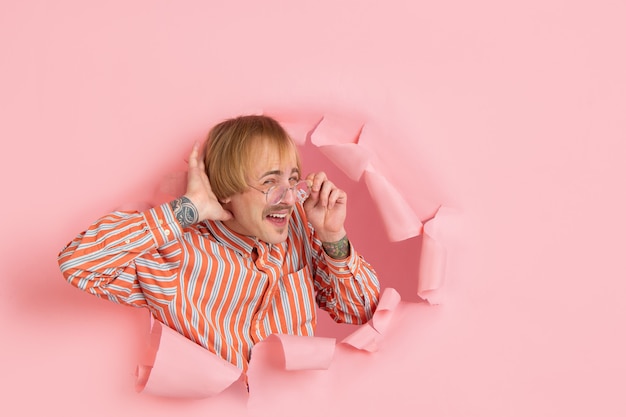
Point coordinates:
pixel 227 237
pixel 246 244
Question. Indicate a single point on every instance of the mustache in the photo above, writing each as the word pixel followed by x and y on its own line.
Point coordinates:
pixel 277 208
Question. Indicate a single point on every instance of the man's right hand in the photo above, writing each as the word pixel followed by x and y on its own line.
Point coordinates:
pixel 199 196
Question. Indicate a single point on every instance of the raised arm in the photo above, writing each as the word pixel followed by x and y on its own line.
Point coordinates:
pixel 124 256
pixel 347 286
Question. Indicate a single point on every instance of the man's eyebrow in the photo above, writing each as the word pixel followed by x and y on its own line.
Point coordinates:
pixel 273 172
pixel 278 172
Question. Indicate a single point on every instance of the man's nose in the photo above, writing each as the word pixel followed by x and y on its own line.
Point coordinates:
pixel 289 197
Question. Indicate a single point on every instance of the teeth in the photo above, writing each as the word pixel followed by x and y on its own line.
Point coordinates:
pixel 280 216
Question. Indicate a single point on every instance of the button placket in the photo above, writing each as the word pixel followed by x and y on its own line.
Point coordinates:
pixel 269 269
pixel 261 261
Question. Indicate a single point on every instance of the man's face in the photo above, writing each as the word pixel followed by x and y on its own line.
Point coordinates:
pixel 252 214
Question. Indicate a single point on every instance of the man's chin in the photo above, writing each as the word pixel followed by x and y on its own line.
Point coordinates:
pixel 275 238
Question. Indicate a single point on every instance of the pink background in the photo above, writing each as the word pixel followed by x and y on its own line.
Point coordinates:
pixel 510 113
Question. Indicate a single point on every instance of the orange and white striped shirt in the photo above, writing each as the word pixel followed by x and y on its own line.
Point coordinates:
pixel 222 290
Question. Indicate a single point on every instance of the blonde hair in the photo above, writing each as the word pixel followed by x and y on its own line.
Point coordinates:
pixel 230 150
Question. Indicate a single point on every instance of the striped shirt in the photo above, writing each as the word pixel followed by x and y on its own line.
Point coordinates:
pixel 222 290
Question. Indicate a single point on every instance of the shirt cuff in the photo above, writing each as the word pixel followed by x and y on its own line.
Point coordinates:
pixel 163 224
pixel 343 268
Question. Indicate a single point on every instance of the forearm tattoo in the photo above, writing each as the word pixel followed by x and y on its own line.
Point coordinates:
pixel 184 210
pixel 339 249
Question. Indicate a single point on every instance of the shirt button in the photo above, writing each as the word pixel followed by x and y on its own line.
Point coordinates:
pixel 160 221
pixel 167 232
pixel 127 241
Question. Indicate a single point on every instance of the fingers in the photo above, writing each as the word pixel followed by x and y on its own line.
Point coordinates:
pixel 317 180
pixel 337 196
pixel 193 156
pixel 329 194
pixel 196 167
pixel 324 192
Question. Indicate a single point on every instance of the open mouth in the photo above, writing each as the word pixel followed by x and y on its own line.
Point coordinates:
pixel 278 219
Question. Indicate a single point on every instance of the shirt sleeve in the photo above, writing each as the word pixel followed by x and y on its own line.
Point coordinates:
pixel 126 257
pixel 347 288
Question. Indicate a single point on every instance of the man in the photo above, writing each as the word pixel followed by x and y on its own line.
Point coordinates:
pixel 247 251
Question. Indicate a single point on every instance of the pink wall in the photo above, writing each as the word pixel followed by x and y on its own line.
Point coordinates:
pixel 511 115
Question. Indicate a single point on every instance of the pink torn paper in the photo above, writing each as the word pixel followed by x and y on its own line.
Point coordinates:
pixel 432 268
pixel 300 353
pixel 174 366
pixel 400 220
pixel 368 336
pixel 333 130
pixel 338 140
pixel 298 124
pixel 306 377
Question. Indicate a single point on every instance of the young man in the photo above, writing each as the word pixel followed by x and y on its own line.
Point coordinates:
pixel 247 251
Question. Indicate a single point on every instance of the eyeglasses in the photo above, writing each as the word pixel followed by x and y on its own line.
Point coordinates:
pixel 276 193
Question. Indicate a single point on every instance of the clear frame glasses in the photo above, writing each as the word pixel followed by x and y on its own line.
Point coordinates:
pixel 276 193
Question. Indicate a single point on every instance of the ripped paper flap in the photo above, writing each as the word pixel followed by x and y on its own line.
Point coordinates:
pixel 368 336
pixel 432 268
pixel 175 366
pixel 301 352
pixel 400 220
